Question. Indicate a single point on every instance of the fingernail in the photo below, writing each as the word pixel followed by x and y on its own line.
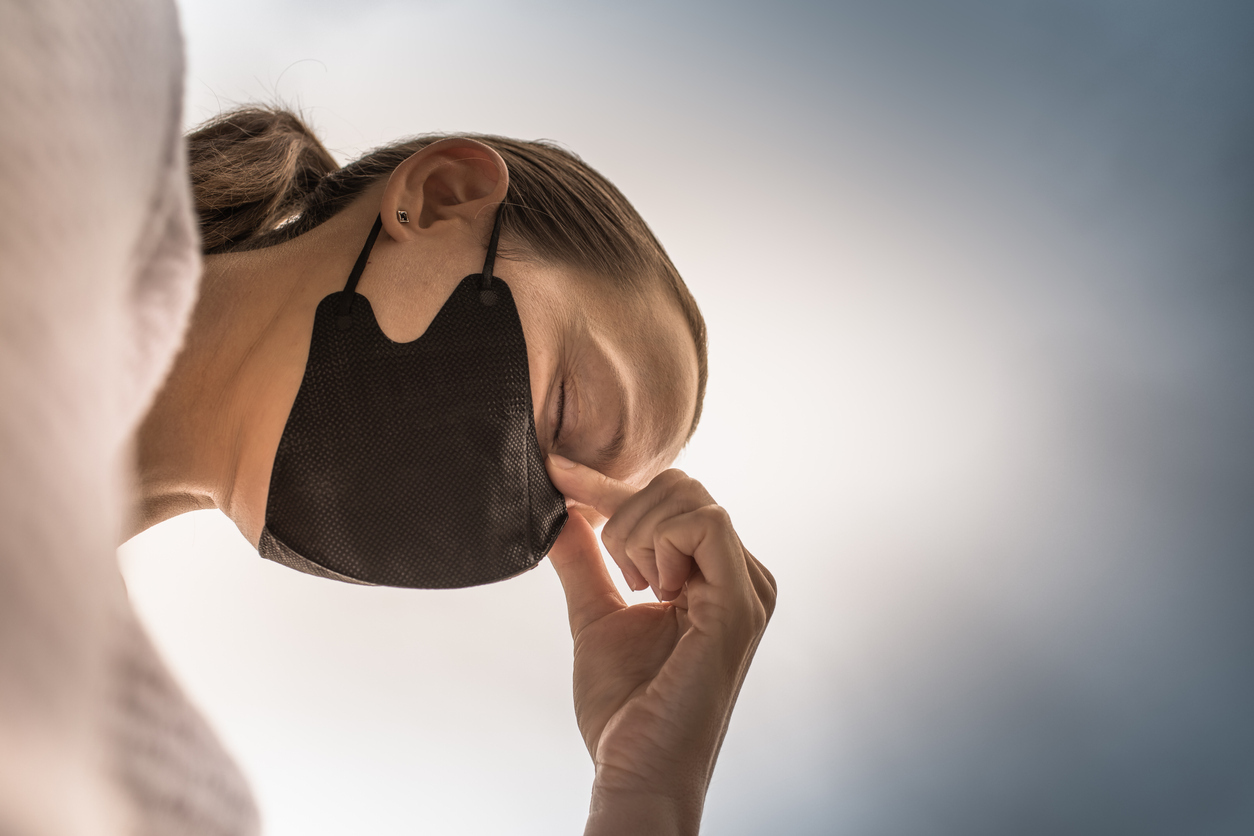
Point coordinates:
pixel 636 585
pixel 561 461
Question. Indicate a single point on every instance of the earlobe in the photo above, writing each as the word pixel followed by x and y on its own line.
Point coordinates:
pixel 455 180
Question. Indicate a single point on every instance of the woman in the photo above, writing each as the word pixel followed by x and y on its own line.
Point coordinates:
pixel 615 352
pixel 97 256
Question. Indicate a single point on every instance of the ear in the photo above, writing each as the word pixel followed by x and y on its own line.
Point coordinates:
pixel 453 181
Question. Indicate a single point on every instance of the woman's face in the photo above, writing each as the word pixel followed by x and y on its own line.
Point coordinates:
pixel 613 370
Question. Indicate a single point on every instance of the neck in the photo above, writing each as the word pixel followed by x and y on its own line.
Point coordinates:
pixel 209 439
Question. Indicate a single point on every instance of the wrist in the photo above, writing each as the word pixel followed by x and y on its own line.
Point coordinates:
pixel 618 810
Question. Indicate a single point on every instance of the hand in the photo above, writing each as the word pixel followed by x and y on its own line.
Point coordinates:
pixel 655 683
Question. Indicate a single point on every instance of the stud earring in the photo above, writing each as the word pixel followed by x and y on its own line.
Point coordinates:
pixel 402 216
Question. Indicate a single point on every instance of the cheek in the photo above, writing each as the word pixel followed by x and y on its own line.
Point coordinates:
pixel 542 354
pixel 539 396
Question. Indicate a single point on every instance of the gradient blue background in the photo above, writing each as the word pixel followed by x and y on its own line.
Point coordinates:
pixel 979 286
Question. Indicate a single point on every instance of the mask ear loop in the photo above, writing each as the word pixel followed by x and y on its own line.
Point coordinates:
pixel 486 294
pixel 345 318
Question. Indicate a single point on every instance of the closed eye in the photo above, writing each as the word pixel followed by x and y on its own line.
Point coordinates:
pixel 561 412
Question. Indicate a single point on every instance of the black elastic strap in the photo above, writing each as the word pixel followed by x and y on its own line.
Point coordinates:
pixel 490 261
pixel 350 289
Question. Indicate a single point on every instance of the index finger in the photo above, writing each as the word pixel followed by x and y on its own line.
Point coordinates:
pixel 588 487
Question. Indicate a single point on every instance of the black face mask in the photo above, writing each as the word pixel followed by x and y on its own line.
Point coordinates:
pixel 414 464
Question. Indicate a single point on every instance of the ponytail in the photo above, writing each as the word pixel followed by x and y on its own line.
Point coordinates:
pixel 252 169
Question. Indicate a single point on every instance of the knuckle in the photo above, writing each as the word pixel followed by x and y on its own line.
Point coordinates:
pixel 759 617
pixel 671 531
pixel 667 479
pixel 744 622
pixel 612 535
pixel 639 553
pixel 638 542
pixel 696 492
pixel 715 515
pixel 770 579
pixel 768 598
pixel 768 589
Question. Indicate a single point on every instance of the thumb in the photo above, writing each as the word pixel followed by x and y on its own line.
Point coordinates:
pixel 590 594
pixel 587 486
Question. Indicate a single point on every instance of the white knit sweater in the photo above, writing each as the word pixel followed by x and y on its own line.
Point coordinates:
pixel 98 273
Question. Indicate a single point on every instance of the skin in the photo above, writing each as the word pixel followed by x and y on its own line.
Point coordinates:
pixel 654 684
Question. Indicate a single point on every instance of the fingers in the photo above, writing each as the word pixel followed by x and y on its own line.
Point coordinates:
pixel 661 535
pixel 590 594
pixel 601 493
pixel 703 537
pixel 633 530
pixel 723 598
pixel 634 517
pixel 586 486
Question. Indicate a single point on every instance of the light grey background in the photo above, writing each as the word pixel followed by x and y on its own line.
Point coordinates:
pixel 978 280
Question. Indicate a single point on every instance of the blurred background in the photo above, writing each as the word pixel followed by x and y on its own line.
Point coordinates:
pixel 979 283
